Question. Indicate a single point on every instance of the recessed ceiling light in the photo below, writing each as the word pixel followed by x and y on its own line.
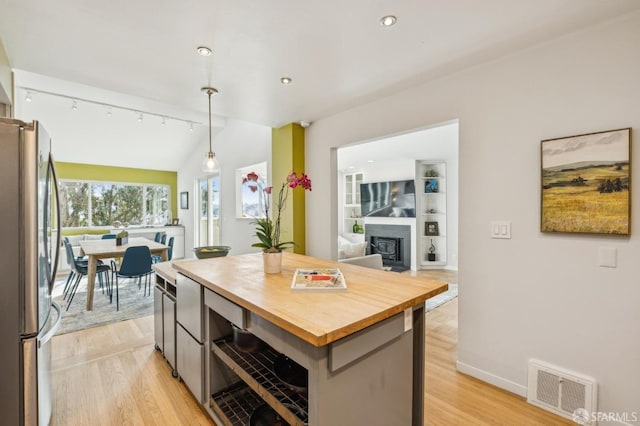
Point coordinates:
pixel 204 51
pixel 371 161
pixel 388 21
pixel 286 80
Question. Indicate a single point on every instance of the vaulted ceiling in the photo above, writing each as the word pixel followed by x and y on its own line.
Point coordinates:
pixel 336 52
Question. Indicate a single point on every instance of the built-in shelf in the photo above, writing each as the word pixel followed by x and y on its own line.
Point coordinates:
pixel 351 204
pixel 255 369
pixel 431 195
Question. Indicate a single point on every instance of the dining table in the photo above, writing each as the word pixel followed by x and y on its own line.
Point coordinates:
pixel 106 249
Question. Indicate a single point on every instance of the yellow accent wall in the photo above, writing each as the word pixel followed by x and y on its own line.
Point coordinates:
pixel 121 174
pixel 287 155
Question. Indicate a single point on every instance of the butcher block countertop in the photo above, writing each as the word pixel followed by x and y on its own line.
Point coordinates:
pixel 318 317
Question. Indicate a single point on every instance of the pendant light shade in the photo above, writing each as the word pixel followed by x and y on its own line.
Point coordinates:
pixel 210 164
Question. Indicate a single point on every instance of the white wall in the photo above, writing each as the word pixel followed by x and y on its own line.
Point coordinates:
pixel 6 86
pixel 536 295
pixel 239 144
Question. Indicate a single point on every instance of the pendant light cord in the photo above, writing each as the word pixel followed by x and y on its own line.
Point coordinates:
pixel 209 92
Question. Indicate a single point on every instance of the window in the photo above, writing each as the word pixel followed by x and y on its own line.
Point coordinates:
pixel 74 205
pixel 86 204
pixel 249 203
pixel 208 229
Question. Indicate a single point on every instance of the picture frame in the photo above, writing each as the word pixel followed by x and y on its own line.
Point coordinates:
pixel 586 183
pixel 431 228
pixel 430 186
pixel 175 222
pixel 184 200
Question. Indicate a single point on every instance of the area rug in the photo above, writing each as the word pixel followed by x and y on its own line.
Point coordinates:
pixel 133 304
pixel 442 298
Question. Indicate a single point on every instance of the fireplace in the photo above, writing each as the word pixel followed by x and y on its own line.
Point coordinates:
pixel 389 248
pixel 392 242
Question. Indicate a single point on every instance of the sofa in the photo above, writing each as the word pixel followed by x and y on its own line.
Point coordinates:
pixel 353 251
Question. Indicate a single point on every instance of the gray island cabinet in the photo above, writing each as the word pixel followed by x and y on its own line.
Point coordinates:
pixel 362 349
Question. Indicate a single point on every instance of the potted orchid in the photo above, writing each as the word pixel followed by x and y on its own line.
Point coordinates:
pixel 268 227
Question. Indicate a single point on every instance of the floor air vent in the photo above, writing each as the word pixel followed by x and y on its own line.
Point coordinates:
pixel 563 392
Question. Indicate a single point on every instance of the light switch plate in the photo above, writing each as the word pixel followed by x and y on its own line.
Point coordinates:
pixel 501 229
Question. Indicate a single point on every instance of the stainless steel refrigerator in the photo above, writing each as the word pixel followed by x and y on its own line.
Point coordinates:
pixel 29 250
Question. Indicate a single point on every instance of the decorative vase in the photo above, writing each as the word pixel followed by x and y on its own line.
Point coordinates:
pixel 272 262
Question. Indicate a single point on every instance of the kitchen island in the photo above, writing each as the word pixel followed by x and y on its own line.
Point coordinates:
pixel 362 349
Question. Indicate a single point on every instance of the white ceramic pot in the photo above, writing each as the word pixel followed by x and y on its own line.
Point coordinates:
pixel 272 262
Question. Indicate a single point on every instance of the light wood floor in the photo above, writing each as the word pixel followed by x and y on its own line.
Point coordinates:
pixel 112 375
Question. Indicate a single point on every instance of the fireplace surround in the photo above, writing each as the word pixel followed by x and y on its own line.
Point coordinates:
pixel 392 242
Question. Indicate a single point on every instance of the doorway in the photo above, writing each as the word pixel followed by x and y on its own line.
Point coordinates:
pixel 396 158
pixel 207 229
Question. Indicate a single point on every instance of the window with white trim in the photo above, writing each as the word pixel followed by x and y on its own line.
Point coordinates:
pixel 88 204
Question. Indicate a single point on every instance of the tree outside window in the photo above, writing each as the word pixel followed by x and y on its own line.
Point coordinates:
pixel 86 204
pixel 74 207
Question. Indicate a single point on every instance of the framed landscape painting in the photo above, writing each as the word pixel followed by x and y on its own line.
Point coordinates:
pixel 586 183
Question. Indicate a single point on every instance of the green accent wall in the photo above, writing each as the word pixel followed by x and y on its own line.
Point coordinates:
pixel 287 155
pixel 93 172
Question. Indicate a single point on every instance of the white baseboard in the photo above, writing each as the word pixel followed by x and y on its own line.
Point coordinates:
pixel 492 379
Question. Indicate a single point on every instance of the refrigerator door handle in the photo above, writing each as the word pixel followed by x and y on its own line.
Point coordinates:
pixel 52 279
pixel 52 331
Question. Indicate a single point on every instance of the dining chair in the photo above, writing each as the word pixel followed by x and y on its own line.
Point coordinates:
pixel 81 260
pixel 70 258
pixel 158 237
pixel 109 236
pixel 170 251
pixel 80 269
pixel 156 258
pixel 136 263
pixel 163 240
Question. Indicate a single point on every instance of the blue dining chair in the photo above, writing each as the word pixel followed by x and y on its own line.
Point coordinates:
pixel 136 263
pixel 80 260
pixel 170 252
pixel 80 269
pixel 158 237
pixel 163 240
pixel 70 258
pixel 109 236
pixel 156 258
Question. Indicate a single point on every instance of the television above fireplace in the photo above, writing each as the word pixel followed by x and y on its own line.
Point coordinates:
pixel 388 199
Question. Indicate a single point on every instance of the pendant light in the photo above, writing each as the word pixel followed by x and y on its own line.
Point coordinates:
pixel 210 164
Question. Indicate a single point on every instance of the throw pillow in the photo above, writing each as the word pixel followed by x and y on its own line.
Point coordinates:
pixel 355 250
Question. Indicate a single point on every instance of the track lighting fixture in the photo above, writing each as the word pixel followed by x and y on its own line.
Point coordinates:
pixel 109 107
